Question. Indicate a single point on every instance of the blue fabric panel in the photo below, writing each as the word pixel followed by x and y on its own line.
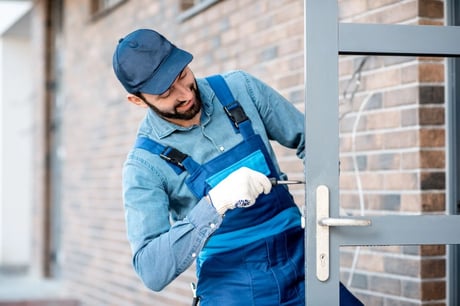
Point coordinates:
pixel 255 161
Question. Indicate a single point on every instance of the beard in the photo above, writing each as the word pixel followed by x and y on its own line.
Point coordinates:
pixel 185 115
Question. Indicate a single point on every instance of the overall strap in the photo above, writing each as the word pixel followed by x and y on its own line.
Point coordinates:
pixel 176 159
pixel 232 108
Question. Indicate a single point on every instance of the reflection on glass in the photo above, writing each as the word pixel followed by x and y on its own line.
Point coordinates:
pixel 392 135
pixel 392 161
pixel 391 12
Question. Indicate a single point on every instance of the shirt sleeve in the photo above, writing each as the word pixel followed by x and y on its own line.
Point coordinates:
pixel 161 251
pixel 283 122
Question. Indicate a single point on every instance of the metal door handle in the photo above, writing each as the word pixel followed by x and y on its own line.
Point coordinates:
pixel 322 230
pixel 343 222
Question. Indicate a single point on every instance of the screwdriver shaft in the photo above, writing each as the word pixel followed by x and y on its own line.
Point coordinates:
pixel 274 182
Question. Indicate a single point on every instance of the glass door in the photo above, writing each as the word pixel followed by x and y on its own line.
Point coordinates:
pixel 327 227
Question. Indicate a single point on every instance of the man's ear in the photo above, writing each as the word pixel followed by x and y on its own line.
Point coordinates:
pixel 136 100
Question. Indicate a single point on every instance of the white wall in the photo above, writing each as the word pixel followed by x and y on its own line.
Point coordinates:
pixel 16 105
pixel 2 243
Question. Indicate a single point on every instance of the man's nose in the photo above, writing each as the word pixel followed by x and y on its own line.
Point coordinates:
pixel 185 93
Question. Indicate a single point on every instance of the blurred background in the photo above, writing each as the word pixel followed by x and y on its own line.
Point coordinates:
pixel 65 130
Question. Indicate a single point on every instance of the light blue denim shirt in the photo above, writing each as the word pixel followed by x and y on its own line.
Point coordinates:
pixel 167 225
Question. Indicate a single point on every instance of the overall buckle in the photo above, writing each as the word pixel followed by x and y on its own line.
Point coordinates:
pixel 174 156
pixel 236 113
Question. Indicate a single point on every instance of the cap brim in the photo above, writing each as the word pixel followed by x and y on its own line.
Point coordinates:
pixel 168 71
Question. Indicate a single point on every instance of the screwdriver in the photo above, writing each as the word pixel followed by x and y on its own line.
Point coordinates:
pixel 275 181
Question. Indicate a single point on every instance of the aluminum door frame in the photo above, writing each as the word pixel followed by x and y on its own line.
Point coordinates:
pixel 325 39
pixel 452 12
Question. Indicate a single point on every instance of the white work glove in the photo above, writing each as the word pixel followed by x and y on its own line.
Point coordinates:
pixel 240 189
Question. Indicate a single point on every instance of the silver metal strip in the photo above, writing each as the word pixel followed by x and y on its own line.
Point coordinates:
pixel 403 230
pixel 404 40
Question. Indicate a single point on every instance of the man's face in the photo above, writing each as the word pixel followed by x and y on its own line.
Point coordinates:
pixel 180 103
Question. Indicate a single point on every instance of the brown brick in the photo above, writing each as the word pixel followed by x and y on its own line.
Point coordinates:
pixel 432 202
pixel 431 116
pixel 432 268
pixel 431 94
pixel 430 8
pixel 432 159
pixel 432 180
pixel 424 21
pixel 433 290
pixel 432 138
pixel 431 59
pixel 429 72
pixel 432 250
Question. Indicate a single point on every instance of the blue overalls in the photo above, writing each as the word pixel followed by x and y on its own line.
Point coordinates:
pixel 267 265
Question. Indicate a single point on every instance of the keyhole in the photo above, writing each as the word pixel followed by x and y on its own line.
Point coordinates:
pixel 322 259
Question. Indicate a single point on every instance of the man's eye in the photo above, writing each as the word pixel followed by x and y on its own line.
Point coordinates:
pixel 165 94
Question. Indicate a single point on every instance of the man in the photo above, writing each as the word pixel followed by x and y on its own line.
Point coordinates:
pixel 197 185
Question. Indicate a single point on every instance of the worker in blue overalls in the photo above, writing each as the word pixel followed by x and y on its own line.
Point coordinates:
pixel 198 184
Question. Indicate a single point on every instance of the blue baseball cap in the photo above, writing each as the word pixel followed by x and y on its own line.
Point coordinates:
pixel 144 61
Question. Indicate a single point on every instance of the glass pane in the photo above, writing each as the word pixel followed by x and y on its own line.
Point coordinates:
pixel 393 162
pixel 392 135
pixel 395 275
pixel 392 12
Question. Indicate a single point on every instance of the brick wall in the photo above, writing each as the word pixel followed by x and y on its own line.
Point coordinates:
pixel 98 126
pixel 399 137
pixel 392 135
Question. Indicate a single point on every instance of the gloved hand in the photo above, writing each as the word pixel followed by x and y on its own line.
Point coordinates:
pixel 240 189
